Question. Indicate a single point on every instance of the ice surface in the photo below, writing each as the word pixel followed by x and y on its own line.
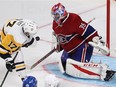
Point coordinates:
pixel 39 10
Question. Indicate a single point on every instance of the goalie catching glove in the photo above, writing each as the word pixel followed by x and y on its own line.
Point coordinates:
pixel 98 43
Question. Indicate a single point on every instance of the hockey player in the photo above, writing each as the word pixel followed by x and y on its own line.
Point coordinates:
pixel 77 39
pixel 15 34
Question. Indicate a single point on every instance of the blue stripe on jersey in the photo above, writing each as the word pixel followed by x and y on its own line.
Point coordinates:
pixel 88 31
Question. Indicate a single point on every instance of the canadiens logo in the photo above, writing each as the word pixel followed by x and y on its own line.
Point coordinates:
pixel 62 39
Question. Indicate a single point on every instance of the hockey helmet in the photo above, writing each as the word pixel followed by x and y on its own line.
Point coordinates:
pixel 58 12
pixel 30 81
pixel 29 27
pixel 51 81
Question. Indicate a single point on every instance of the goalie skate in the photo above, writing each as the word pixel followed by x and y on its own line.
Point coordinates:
pixel 110 75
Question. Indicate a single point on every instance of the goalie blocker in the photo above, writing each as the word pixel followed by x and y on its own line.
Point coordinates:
pixel 88 70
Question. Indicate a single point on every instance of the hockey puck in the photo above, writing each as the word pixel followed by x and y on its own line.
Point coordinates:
pixel 37 38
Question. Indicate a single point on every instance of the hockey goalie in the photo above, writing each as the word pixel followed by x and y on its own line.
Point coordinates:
pixel 77 39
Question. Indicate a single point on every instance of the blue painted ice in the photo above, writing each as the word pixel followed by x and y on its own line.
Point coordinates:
pixel 53 68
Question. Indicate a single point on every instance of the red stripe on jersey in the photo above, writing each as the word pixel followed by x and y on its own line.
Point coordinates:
pixel 84 53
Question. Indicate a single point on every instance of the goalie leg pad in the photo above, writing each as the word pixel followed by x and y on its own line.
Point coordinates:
pixel 82 54
pixel 86 70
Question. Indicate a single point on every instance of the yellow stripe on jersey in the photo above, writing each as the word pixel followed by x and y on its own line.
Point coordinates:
pixel 3 50
pixel 20 66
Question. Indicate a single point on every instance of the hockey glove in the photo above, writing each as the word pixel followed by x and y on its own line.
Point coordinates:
pixel 10 64
pixel 28 43
pixel 58 48
pixel 98 43
pixel 56 44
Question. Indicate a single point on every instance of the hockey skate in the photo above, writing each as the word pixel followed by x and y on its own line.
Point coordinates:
pixel 110 75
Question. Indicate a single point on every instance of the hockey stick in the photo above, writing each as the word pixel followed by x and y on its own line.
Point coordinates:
pixel 8 71
pixel 39 61
pixel 91 20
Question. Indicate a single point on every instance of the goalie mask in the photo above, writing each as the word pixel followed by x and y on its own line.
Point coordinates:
pixel 29 28
pixel 51 81
pixel 58 12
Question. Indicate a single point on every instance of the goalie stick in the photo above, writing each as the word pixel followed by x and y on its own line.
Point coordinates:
pixel 90 20
pixel 44 57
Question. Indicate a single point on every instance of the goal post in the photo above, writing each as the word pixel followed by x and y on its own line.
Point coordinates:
pixel 108 23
